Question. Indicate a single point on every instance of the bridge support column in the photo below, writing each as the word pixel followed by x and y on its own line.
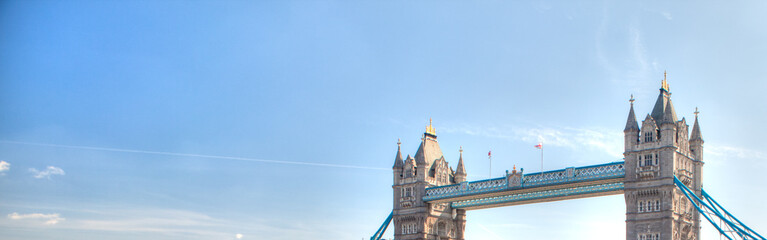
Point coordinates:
pixel 460 224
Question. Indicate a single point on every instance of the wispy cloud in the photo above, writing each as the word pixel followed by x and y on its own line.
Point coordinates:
pixel 721 151
pixel 176 224
pixel 4 167
pixel 667 15
pixel 493 234
pixel 195 155
pixel 513 226
pixel 48 219
pixel 169 222
pixel 47 172
pixel 607 141
pixel 626 61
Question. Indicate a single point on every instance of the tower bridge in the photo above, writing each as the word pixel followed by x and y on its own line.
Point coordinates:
pixel 660 178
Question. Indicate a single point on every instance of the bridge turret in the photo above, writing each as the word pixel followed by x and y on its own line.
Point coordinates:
pixel 696 148
pixel 631 131
pixel 696 139
pixel 398 164
pixel 427 155
pixel 460 172
pixel 420 162
pixel 668 125
pixel 653 208
pixel 414 218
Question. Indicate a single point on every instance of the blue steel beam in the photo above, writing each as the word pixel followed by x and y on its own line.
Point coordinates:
pixel 706 210
pixel 711 200
pixel 545 195
pixel 382 229
pixel 557 179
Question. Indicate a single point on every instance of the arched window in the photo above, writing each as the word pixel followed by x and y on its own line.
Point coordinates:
pixel 641 206
pixel 657 205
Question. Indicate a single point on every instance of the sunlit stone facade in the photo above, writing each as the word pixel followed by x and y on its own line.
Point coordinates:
pixel 662 148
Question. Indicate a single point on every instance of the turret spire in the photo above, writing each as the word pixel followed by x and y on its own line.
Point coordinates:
pixel 696 128
pixel 460 172
pixel 398 163
pixel 669 115
pixel 664 100
pixel 631 122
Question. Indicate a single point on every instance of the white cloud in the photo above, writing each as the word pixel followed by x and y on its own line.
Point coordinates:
pixel 607 141
pixel 4 167
pixel 720 152
pixel 49 219
pixel 622 53
pixel 179 224
pixel 667 15
pixel 491 233
pixel 47 172
pixel 197 156
pixel 238 236
pixel 176 223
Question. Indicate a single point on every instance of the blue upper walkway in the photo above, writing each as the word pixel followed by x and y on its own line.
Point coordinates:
pixel 517 188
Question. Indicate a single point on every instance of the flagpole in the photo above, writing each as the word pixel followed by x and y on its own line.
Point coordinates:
pixel 490 170
pixel 540 146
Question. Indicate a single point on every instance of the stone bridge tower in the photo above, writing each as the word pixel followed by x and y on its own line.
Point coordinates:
pixel 654 154
pixel 414 219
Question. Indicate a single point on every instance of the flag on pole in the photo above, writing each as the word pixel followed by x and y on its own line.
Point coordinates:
pixel 540 146
pixel 490 169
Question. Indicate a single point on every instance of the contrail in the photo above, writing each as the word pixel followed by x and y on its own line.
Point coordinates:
pixel 192 155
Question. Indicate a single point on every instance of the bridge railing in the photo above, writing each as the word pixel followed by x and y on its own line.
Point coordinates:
pixel 567 175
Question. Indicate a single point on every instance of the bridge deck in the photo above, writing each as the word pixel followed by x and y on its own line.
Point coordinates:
pixel 568 183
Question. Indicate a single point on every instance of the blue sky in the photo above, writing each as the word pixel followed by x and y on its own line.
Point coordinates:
pixel 279 119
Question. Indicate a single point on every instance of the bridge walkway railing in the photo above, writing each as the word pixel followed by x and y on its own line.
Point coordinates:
pixel 541 179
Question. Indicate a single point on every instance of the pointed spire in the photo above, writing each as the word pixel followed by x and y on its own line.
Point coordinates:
pixel 429 150
pixel 420 159
pixel 460 169
pixel 669 115
pixel 398 159
pixel 460 172
pixel 663 101
pixel 631 122
pixel 696 128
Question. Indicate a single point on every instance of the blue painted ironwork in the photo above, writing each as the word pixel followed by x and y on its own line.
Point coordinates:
pixel 381 230
pixel 710 208
pixel 570 175
pixel 465 188
pixel 539 195
pixel 562 176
